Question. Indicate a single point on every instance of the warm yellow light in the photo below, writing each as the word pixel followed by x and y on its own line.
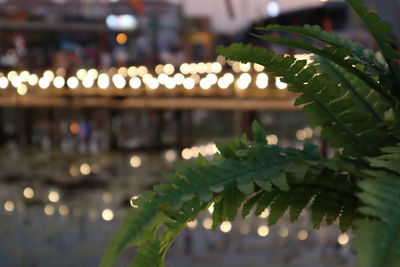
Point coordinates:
pixel 72 82
pixel 264 214
pixel 185 68
pixel 135 161
pixel 201 68
pixel 9 206
pixel 283 232
pixel 263 230
pixel 280 85
pixel 169 69
pixel 85 169
pixel 179 78
pixel 308 132
pixel 216 67
pixel 262 80
pixel 60 72
pixel 121 38
pixel 135 83
pixel 88 82
pixel 211 208
pixel 74 128
pixel 132 71
pixel 223 83
pixel 192 224
pixel 24 75
pixel 59 82
pixel 245 67
pixel 205 84
pixel 258 67
pixel 272 139
pixel 63 210
pixel 132 202
pixel 28 192
pixel 343 239
pixel 163 78
pixel 49 210
pixel 170 155
pixel 170 83
pixel 81 74
pixel 93 73
pixel 187 153
pixel 44 83
pixel 11 75
pixel 54 196
pixel 212 78
pixel 48 75
pixel 119 81
pixel 123 71
pixel 226 227
pixel 107 214
pixel 207 223
pixel 142 70
pixel 107 197
pixel 33 79
pixel 103 81
pixel 3 82
pixel 16 81
pixel 301 135
pixel 74 171
pixel 22 89
pixel 302 235
pixel 189 83
pixel 153 83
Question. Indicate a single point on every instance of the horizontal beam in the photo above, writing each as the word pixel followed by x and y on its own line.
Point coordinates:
pixel 151 103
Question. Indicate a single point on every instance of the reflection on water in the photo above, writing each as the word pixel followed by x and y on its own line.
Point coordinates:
pixel 61 209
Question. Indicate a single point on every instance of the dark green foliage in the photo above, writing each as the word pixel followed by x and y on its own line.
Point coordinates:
pixel 353 93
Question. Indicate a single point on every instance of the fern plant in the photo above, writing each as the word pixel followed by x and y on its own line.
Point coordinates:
pixel 349 90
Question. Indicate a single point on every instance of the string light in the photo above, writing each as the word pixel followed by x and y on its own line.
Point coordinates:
pixel 48 210
pixel 107 214
pixel 207 223
pixel 85 169
pixel 54 196
pixel 302 235
pixel 63 210
pixel 192 224
pixel 280 85
pixel 9 206
pixel 135 83
pixel 263 230
pixel 72 82
pixel 103 81
pixel 28 193
pixel 283 232
pixel 135 161
pixel 59 82
pixel 22 89
pixel 3 82
pixel 343 239
pixel 132 202
pixel 226 227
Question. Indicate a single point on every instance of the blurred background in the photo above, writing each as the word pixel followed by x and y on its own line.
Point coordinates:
pixel 98 98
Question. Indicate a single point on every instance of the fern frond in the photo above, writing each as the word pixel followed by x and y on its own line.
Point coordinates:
pixel 357 51
pixel 246 173
pixel 379 30
pixel 337 55
pixel 378 239
pixel 330 105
